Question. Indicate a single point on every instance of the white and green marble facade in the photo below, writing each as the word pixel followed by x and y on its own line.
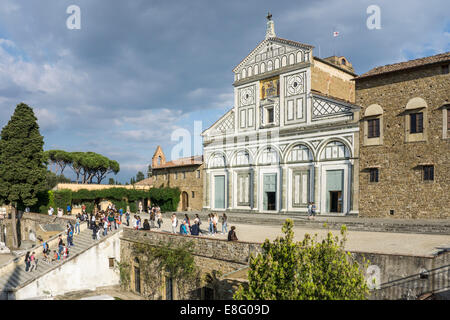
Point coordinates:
pixel 298 155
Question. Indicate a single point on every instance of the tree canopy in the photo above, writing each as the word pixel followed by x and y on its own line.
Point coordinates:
pixel 306 270
pixel 85 165
pixel 22 161
pixel 140 176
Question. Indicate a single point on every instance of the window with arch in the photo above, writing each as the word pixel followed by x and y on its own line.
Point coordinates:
pixel 373 125
pixel 256 70
pixel 242 158
pixel 269 156
pixel 291 58
pixel 263 67
pixel 277 63
pixel 218 161
pixel 269 65
pixel 299 153
pixel 335 150
pixel 415 120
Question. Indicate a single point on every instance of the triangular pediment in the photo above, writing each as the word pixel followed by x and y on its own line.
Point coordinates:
pixel 223 125
pixel 271 48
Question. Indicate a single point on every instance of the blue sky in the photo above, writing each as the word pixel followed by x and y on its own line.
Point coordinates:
pixel 139 70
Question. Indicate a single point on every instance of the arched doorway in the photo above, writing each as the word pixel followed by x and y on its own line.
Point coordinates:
pixel 184 201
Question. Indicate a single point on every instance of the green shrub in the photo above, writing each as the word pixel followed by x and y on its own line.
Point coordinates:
pixel 89 206
pixel 133 207
pixel 43 209
pixel 120 204
pixel 83 194
pixel 63 198
pixel 166 198
pixel 51 199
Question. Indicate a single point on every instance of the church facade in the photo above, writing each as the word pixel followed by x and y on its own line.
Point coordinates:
pixel 291 137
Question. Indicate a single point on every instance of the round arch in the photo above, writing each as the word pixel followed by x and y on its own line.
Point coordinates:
pixel 235 155
pixel 416 103
pixel 373 110
pixel 295 144
pixel 261 150
pixel 217 154
pixel 326 142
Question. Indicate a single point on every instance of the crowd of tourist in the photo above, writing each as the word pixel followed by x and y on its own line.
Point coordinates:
pixel 186 228
pixel 105 220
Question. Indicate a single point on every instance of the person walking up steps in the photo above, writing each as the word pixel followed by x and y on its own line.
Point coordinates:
pixel 33 262
pixel 77 225
pixel 27 261
pixel 105 228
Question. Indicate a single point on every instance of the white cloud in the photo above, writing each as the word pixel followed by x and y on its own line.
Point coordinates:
pixel 47 120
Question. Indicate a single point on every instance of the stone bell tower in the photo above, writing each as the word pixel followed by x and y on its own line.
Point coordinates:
pixel 158 158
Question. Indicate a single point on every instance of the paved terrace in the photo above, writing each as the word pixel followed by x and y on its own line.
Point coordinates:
pixel 386 236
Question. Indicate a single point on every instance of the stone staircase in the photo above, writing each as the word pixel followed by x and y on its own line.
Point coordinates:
pixel 18 277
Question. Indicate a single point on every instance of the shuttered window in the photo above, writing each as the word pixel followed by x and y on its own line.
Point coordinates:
pixel 416 122
pixel 374 174
pixel 428 173
pixel 373 127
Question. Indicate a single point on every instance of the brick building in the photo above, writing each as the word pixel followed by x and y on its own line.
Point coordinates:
pixel 405 139
pixel 184 173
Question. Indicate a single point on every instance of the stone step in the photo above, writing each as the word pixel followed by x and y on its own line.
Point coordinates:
pixel 19 276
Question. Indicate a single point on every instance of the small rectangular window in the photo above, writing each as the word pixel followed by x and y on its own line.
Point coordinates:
pixel 428 173
pixel 373 127
pixel 374 174
pixel 184 175
pixel 111 262
pixel 198 174
pixel 269 115
pixel 416 122
pixel 193 194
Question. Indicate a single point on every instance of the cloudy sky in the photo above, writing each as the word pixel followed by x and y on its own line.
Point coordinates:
pixel 139 71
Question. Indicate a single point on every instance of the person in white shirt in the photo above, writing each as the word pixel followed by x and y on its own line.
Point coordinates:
pixel 50 211
pixel 174 223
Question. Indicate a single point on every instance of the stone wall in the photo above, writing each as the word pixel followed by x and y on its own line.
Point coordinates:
pixel 211 256
pixel 78 186
pixel 332 81
pixel 389 276
pixel 401 187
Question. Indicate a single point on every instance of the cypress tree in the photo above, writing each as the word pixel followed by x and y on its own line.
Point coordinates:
pixel 22 164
